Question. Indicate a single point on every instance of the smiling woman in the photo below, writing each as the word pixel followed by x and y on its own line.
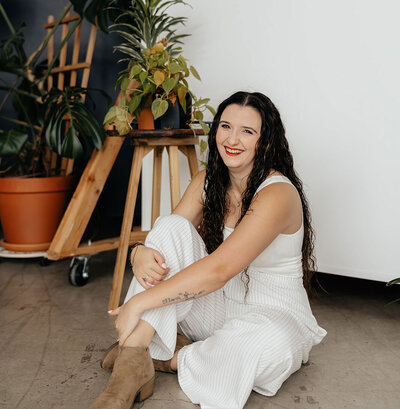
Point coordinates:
pixel 237 289
pixel 237 136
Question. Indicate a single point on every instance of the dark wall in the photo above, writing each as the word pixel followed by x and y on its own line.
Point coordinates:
pixel 103 75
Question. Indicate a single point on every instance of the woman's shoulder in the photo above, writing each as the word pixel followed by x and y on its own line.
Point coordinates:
pixel 272 178
pixel 198 180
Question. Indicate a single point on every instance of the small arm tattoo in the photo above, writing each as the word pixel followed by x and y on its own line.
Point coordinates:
pixel 182 297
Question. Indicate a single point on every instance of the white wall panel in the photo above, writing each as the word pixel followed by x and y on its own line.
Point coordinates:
pixel 332 68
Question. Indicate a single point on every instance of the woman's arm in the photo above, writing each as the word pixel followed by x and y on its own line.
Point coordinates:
pixel 148 264
pixel 270 214
pixel 191 204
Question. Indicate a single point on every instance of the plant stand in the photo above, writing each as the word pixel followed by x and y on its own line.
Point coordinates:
pixel 66 242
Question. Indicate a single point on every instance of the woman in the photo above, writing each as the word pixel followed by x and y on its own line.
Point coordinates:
pixel 238 291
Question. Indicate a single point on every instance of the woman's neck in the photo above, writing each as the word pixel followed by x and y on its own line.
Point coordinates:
pixel 238 182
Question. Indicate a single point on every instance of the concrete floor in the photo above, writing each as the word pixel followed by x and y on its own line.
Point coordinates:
pixel 52 336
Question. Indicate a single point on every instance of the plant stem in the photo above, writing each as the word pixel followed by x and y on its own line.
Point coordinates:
pixel 16 121
pixel 19 91
pixel 8 92
pixel 10 26
pixel 28 120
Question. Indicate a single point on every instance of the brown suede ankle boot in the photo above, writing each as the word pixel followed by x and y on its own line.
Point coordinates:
pixel 109 357
pixel 132 379
pixel 111 354
pixel 165 366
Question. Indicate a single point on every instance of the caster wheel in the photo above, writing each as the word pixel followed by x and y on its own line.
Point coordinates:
pixel 78 272
pixel 44 262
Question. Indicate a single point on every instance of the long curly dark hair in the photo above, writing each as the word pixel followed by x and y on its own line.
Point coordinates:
pixel 272 152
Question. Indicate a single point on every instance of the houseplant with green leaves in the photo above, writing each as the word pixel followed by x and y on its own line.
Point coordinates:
pixel 39 127
pixel 157 72
pixel 158 80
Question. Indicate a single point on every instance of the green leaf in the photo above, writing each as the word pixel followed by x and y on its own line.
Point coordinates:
pixel 211 109
pixel 122 103
pixel 71 146
pixel 203 146
pixel 12 141
pixel 201 101
pixel 135 70
pixel 159 107
pixel 110 115
pixel 169 84
pixel 182 62
pixel 174 68
pixel 182 91
pixel 148 87
pixel 134 103
pixel 121 114
pixel 159 78
pixel 142 76
pixel 205 127
pixel 195 73
pixel 394 281
pixel 122 127
pixel 198 115
pixel 124 84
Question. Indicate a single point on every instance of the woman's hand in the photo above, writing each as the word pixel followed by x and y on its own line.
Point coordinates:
pixel 148 266
pixel 127 319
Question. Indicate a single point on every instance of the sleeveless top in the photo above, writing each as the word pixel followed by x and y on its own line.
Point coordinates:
pixel 283 255
pixel 276 279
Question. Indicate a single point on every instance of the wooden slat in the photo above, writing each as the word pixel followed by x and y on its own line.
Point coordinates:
pixel 70 67
pixel 83 202
pixel 65 20
pixel 104 245
pixel 63 55
pixel 75 54
pixel 166 141
pixel 174 176
pixel 50 53
pixel 192 158
pixel 89 56
pixel 157 133
pixel 156 195
pixel 53 160
pixel 126 228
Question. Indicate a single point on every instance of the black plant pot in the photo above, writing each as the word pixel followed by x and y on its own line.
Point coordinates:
pixel 175 117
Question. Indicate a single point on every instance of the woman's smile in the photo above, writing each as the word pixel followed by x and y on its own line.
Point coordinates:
pixel 233 152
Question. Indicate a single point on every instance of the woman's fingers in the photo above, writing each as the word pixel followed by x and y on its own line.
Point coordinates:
pixel 160 261
pixel 143 283
pixel 114 312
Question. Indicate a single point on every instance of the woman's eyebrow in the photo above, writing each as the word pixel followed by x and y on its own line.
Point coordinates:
pixel 249 127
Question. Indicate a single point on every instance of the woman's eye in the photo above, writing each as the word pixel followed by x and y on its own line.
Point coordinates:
pixel 225 126
pixel 248 131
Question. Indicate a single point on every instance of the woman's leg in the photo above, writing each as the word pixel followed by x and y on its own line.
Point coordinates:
pixel 181 245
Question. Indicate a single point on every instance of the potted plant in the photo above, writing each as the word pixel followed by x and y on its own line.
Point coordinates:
pixel 40 129
pixel 156 77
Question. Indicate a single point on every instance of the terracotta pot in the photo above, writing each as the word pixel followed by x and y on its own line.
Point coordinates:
pixel 146 119
pixel 31 210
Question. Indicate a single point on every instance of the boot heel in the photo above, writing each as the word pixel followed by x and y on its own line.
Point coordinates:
pixel 146 390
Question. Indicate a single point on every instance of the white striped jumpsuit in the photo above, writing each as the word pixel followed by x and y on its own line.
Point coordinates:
pixel 239 346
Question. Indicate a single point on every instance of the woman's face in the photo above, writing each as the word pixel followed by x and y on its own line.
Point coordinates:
pixel 238 132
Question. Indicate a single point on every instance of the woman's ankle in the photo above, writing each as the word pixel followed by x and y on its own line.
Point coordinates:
pixel 174 361
pixel 141 336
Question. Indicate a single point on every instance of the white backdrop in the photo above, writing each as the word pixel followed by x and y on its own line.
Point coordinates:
pixel 332 68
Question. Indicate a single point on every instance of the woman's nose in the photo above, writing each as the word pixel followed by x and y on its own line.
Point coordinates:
pixel 233 137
